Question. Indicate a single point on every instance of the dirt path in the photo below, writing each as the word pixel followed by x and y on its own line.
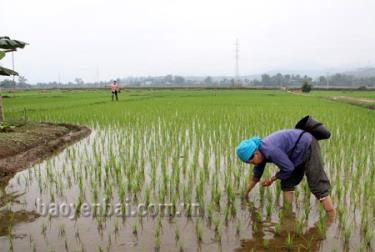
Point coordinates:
pixel 31 143
pixel 296 93
pixel 354 99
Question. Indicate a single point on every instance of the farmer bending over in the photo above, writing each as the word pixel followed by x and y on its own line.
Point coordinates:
pixel 296 153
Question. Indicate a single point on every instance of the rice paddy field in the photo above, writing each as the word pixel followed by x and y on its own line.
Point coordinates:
pixel 176 149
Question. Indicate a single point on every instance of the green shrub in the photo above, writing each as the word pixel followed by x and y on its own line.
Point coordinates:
pixel 306 87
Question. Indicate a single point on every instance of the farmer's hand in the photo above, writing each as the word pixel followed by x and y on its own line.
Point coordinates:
pixel 268 182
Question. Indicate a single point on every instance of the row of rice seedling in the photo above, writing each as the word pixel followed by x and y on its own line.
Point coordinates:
pixel 177 151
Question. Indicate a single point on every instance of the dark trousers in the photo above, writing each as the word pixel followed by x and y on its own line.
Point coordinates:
pixel 114 94
pixel 312 167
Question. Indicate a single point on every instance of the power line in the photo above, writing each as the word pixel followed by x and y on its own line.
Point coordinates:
pixel 237 81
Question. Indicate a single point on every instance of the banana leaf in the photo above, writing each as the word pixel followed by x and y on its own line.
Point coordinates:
pixel 7 43
pixel 7 72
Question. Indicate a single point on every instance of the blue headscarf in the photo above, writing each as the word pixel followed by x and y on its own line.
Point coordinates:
pixel 247 148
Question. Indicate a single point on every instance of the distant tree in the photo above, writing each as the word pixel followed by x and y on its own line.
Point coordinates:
pixel 287 79
pixel 22 80
pixel 306 87
pixel 6 83
pixel 322 81
pixel 208 80
pixel 168 79
pixel 79 81
pixel 266 79
pixel 278 79
pixel 179 80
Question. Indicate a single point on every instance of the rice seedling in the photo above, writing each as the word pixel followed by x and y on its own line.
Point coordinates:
pixel 289 242
pixel 133 154
pixel 238 226
pixel 62 231
pixel 299 225
pixel 66 244
pixel 322 223
pixel 199 230
pixel 116 228
pixel 216 222
pixel 278 228
pixel 269 209
pixel 347 233
pixel 10 239
pixel 177 234
pixel 266 244
pixel 157 233
pixel 135 228
pixel 44 229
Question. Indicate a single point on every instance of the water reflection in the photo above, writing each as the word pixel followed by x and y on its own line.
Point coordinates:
pixel 265 237
pixel 8 217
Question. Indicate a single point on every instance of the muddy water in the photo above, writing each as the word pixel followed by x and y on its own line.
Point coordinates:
pixel 25 227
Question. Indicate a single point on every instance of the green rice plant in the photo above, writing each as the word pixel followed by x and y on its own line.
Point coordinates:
pixel 177 233
pixel 121 194
pixel 135 228
pixel 347 233
pixel 31 240
pixel 216 222
pixel 255 227
pixel 44 229
pixel 278 228
pixel 322 225
pixel 66 244
pixel 199 230
pixel 109 244
pixel 238 226
pixel 289 242
pixel 258 216
pixel 77 235
pixel 116 228
pixel 226 214
pixel 62 231
pixel 210 211
pixel 269 209
pixel 139 140
pixel 147 195
pixel 278 190
pixel 10 239
pixel 218 234
pixel 157 233
pixel 299 226
pixel 266 244
pixel 368 237
pixel 306 211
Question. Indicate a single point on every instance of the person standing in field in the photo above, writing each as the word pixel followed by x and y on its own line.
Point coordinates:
pixel 296 153
pixel 115 90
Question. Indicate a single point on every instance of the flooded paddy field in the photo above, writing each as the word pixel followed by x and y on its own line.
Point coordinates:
pixel 159 172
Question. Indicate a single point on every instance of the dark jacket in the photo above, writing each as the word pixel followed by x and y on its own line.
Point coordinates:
pixel 276 148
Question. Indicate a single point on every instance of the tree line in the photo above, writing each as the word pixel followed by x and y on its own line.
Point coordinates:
pixel 265 80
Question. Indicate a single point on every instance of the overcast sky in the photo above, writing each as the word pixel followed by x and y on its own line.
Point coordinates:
pixel 95 39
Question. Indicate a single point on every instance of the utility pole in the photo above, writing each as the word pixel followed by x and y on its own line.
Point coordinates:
pixel 237 78
pixel 327 80
pixel 97 75
pixel 14 82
